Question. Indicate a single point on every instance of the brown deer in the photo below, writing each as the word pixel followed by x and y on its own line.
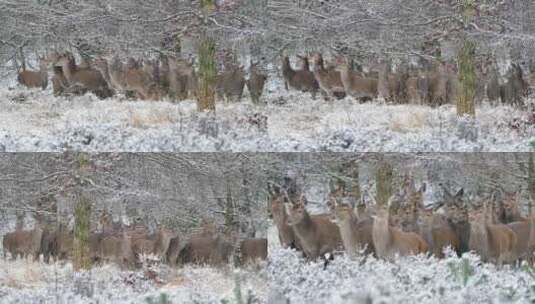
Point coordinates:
pixel 390 241
pixel 525 234
pixel 255 83
pixel 140 82
pixel 300 80
pixel 356 233
pixel 164 73
pixel 35 79
pixel 328 80
pixel 253 250
pixel 230 84
pixel 433 228
pixel 508 210
pixel 88 79
pixel 182 79
pixel 493 242
pixel 212 249
pixel 112 247
pixel 438 85
pixel 23 243
pixel 390 86
pixel 173 251
pixel 515 88
pixel 278 213
pixel 355 84
pixel 317 235
pixel 59 81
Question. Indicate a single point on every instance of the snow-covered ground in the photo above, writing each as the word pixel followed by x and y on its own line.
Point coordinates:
pixel 34 120
pixel 24 281
pixel 409 280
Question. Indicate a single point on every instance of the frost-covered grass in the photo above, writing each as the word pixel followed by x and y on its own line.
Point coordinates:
pixel 24 281
pixel 409 280
pixel 34 120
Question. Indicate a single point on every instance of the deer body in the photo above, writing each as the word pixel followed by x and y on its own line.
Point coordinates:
pixel 87 78
pixel 301 80
pixel 255 84
pixel 525 234
pixel 390 241
pixel 253 250
pixel 139 81
pixel 206 249
pixel 328 80
pixel 230 84
pixel 356 234
pixel 287 236
pixel 493 242
pixel 38 79
pixel 317 235
pixel 356 85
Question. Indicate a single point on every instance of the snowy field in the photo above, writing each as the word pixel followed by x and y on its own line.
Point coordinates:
pixel 408 280
pixel 34 120
pixel 31 282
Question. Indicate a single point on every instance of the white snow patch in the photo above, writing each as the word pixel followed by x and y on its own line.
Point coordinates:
pixel 25 281
pixel 34 120
pixel 416 279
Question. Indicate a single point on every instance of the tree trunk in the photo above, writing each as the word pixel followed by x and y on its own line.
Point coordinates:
pixel 467 79
pixel 384 183
pixel 207 75
pixel 82 214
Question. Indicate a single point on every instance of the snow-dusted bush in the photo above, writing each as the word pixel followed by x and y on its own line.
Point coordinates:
pixel 416 279
pixel 37 121
pixel 25 281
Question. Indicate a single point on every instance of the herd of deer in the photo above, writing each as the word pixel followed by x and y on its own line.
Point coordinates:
pixel 145 79
pixel 434 84
pixel 127 246
pixel 494 229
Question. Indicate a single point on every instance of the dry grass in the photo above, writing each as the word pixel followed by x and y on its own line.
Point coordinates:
pixel 143 119
pixel 406 122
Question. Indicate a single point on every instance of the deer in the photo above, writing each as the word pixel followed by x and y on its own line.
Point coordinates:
pixel 173 251
pixel 438 85
pixel 355 84
pixel 390 241
pixel 35 79
pixel 328 80
pixel 433 228
pixel 182 79
pixel 253 250
pixel 300 80
pixel 317 235
pixel 88 79
pixel 515 88
pixel 59 81
pixel 356 233
pixel 508 210
pixel 524 228
pixel 279 215
pixel 116 248
pixel 23 243
pixel 140 82
pixel 255 83
pixel 164 73
pixel 494 242
pixel 212 249
pixel 230 84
